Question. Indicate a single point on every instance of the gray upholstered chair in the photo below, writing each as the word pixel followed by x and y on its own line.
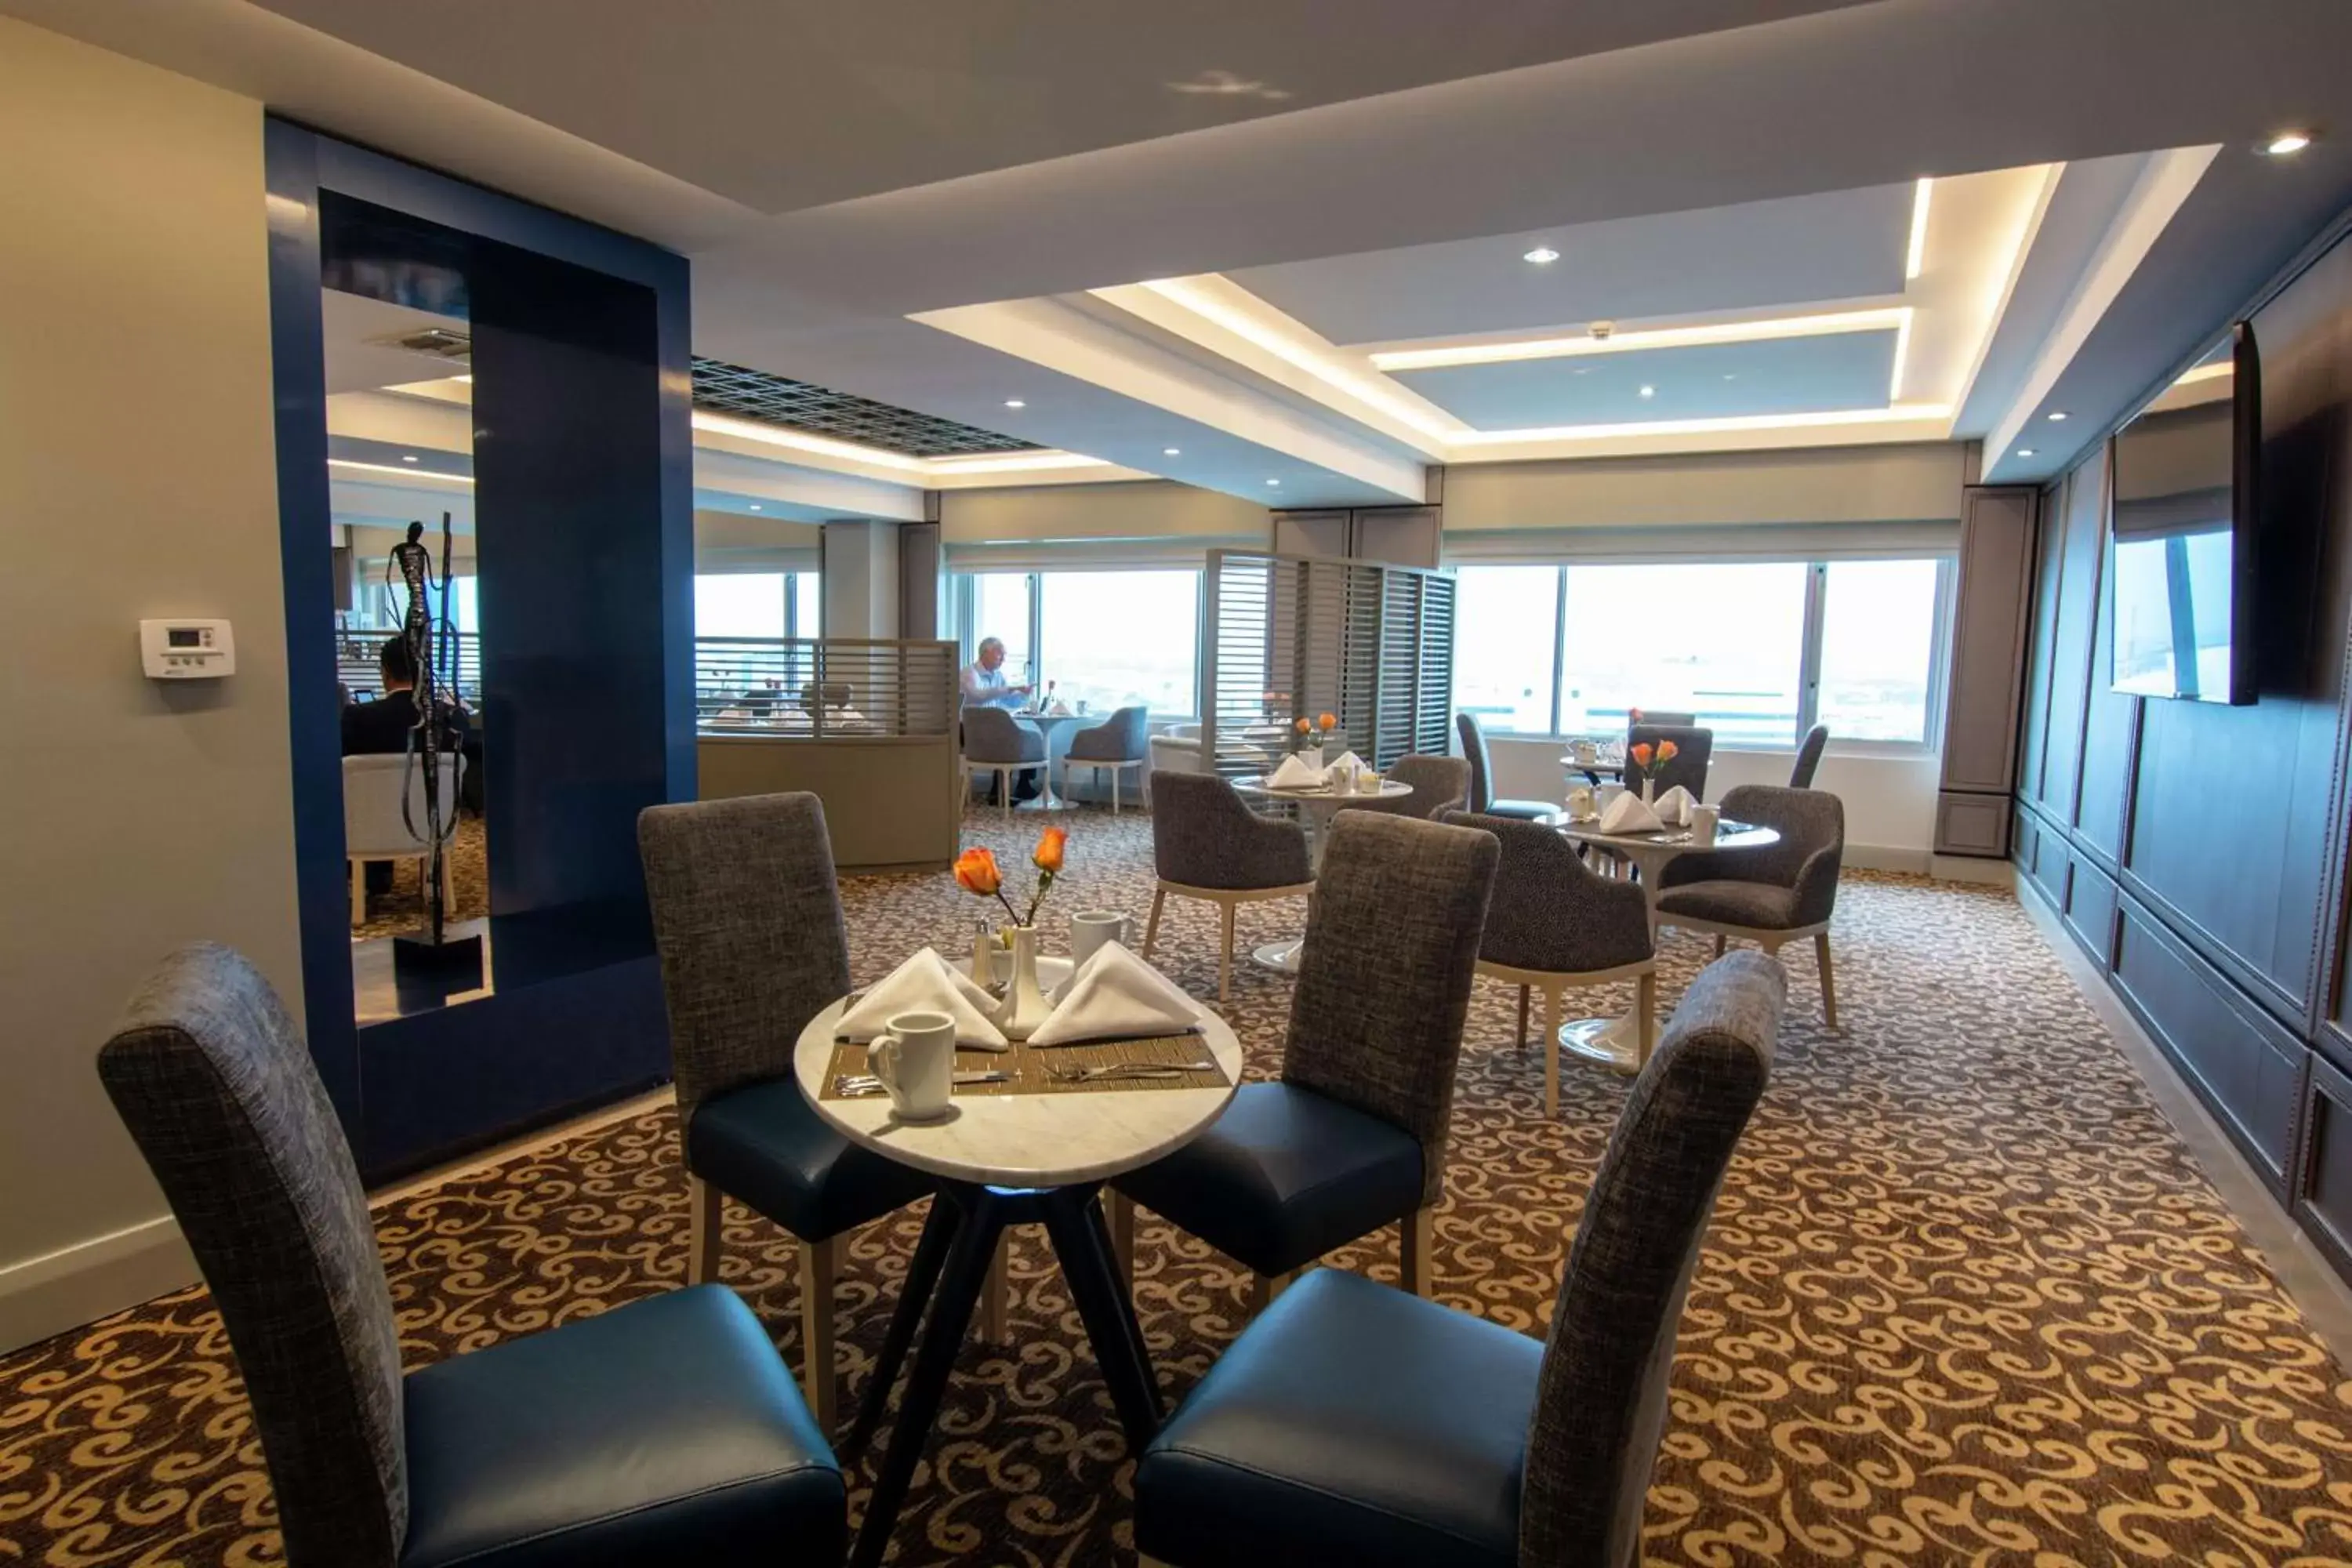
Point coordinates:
pixel 666 1430
pixel 1693 749
pixel 1772 895
pixel 1659 716
pixel 1482 776
pixel 1350 1424
pixel 995 742
pixel 1808 757
pixel 1352 1138
pixel 1554 926
pixel 748 918
pixel 1207 844
pixel 1119 743
pixel 1439 784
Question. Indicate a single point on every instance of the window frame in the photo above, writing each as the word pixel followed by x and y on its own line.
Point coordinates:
pixel 1809 653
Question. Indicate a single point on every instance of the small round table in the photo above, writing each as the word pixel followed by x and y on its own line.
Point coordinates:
pixel 1319 805
pixel 1616 1042
pixel 1008 1159
pixel 1046 723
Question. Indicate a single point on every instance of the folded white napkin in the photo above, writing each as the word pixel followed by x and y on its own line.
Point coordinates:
pixel 1629 814
pixel 1673 807
pixel 1294 775
pixel 1114 995
pixel 1346 763
pixel 925 984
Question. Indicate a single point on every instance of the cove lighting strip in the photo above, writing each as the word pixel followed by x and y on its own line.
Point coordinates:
pixel 1893 317
pixel 1732 423
pixel 402 469
pixel 1915 260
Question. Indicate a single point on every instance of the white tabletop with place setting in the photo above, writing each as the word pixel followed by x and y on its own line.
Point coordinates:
pixel 1319 798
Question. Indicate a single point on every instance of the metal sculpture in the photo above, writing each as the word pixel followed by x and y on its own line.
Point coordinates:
pixel 412 567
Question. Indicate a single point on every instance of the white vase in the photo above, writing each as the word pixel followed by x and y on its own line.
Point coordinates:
pixel 1024 1003
pixel 1649 790
pixel 1312 756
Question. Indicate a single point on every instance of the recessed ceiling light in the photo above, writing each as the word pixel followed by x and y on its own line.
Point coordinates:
pixel 2057 417
pixel 1273 481
pixel 755 506
pixel 1171 452
pixel 1543 256
pixel 408 457
pixel 1649 391
pixel 1730 375
pixel 2287 142
pixel 1014 403
pixel 2025 451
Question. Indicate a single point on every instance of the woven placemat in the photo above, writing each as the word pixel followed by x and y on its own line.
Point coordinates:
pixel 1033 1069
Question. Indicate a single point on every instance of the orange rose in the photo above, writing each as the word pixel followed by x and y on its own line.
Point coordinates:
pixel 1302 726
pixel 1667 751
pixel 1641 755
pixel 1326 722
pixel 976 872
pixel 1048 857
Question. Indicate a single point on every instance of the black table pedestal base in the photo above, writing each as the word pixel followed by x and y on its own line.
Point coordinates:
pixel 948 1271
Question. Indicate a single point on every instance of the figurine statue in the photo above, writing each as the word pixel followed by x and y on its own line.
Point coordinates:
pixel 413 562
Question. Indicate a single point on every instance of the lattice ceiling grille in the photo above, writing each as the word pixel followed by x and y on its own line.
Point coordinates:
pixel 797 405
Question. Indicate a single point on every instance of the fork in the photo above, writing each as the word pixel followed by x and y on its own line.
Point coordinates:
pixel 1129 1070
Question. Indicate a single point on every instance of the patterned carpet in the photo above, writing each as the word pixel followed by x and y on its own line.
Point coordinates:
pixel 1965 1299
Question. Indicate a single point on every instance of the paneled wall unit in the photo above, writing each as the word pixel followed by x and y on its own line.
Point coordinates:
pixel 1989 630
pixel 2197 852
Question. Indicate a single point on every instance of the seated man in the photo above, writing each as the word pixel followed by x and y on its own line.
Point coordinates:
pixel 384 726
pixel 986 686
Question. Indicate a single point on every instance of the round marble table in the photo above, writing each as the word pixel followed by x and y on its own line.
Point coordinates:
pixel 1001 1160
pixel 1047 724
pixel 1616 1042
pixel 1318 806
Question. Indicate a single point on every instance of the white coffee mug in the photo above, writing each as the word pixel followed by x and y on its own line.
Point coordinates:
pixel 1586 752
pixel 1090 928
pixel 915 1060
pixel 1579 804
pixel 1703 823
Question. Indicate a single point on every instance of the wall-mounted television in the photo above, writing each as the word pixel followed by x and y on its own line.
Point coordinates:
pixel 2182 557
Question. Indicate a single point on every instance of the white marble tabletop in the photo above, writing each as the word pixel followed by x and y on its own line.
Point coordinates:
pixel 1323 794
pixel 1749 836
pixel 1026 1139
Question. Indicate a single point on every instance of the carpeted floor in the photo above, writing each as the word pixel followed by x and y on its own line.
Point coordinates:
pixel 1965 1299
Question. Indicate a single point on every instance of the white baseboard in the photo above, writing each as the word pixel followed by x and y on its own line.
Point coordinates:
pixel 1886 857
pixel 76 1285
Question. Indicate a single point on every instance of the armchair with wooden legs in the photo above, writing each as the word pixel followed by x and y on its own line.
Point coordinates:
pixel 1352 1137
pixel 1207 844
pixel 748 919
pixel 1780 893
pixel 1555 926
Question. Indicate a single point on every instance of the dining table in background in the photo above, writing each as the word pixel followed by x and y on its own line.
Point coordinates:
pixel 1317 807
pixel 1003 1159
pixel 1047 722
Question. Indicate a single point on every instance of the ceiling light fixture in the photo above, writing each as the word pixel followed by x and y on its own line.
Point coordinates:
pixel 1171 452
pixel 408 457
pixel 2025 451
pixel 1885 319
pixel 1915 260
pixel 1273 481
pixel 2287 143
pixel 755 506
pixel 1823 419
pixel 1649 391
pixel 1902 360
pixel 2057 417
pixel 2196 374
pixel 1014 403
pixel 404 473
pixel 1543 256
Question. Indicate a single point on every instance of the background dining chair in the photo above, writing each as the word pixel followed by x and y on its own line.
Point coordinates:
pixel 1122 741
pixel 1352 1138
pixel 1439 784
pixel 666 1430
pixel 1808 757
pixel 747 917
pixel 995 742
pixel 1482 776
pixel 1694 747
pixel 376 827
pixel 1554 926
pixel 1207 844
pixel 1772 895
pixel 1664 716
pixel 1352 1424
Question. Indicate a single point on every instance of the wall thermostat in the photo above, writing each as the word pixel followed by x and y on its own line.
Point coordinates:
pixel 186 650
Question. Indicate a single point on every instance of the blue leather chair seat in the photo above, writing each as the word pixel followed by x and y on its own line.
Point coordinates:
pixel 665 1431
pixel 766 1146
pixel 1284 1176
pixel 1351 1424
pixel 1524 810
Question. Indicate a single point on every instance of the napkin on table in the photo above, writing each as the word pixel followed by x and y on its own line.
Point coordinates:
pixel 1629 814
pixel 1114 995
pixel 1294 774
pixel 1346 762
pixel 1673 807
pixel 925 984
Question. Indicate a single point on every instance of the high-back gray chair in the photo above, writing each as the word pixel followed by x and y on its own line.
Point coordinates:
pixel 1353 1137
pixel 995 742
pixel 1122 741
pixel 1354 1423
pixel 1207 844
pixel 747 917
pixel 526 1453
pixel 1439 785
pixel 1662 716
pixel 1473 737
pixel 1772 895
pixel 1693 749
pixel 1554 926
pixel 1808 757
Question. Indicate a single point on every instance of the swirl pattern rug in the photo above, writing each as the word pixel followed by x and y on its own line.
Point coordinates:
pixel 1965 1299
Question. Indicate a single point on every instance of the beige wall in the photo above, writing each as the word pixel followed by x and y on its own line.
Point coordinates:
pixel 136 479
pixel 1156 508
pixel 1824 484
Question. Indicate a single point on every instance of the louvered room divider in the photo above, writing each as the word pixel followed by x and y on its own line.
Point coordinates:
pixel 1291 637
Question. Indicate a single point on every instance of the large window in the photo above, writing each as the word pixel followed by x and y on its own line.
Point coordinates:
pixel 756 605
pixel 1108 639
pixel 1757 651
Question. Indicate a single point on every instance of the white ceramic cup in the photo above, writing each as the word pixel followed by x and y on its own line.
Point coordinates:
pixel 1703 822
pixel 1367 782
pixel 915 1060
pixel 1585 752
pixel 1579 804
pixel 1090 928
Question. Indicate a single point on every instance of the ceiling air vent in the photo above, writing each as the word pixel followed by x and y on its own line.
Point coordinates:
pixel 439 342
